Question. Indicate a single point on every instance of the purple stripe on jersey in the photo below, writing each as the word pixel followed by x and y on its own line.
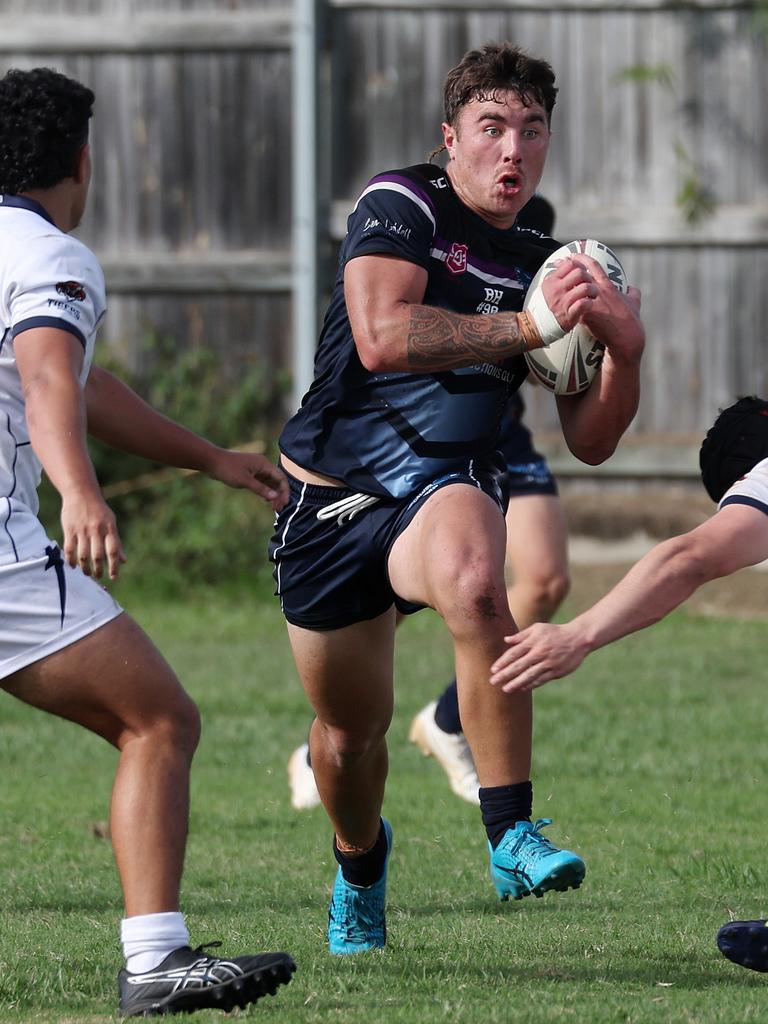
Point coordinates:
pixel 399 179
pixel 494 269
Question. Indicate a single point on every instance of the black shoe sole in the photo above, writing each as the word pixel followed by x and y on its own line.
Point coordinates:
pixel 746 944
pixel 238 992
pixel 560 881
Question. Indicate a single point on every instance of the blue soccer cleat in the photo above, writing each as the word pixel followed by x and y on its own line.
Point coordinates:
pixel 525 862
pixel 745 943
pixel 356 916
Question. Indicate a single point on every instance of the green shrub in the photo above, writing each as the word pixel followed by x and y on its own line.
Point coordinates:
pixel 185 530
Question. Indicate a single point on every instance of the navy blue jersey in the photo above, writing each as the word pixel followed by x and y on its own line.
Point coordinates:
pixel 390 433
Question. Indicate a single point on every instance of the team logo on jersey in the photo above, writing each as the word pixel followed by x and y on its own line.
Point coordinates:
pixel 456 261
pixel 72 290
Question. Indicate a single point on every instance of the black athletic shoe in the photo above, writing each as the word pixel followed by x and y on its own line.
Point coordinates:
pixel 745 943
pixel 188 980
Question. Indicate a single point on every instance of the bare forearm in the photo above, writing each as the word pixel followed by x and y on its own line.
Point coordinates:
pixel 426 339
pixel 440 340
pixel 595 421
pixel 56 418
pixel 657 584
pixel 120 418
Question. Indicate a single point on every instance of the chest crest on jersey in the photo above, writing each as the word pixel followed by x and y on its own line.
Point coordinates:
pixel 456 261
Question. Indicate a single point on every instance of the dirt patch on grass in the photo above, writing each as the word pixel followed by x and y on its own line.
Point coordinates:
pixel 744 595
pixel 613 512
pixel 619 514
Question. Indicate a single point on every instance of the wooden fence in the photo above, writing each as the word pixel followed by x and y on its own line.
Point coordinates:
pixel 660 117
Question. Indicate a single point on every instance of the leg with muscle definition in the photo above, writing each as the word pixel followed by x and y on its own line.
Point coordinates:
pixel 115 683
pixel 348 677
pixel 537 562
pixel 451 557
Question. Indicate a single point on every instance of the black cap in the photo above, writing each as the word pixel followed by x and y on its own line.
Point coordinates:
pixel 736 441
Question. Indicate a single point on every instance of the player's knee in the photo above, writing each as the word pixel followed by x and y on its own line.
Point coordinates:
pixel 179 727
pixel 346 748
pixel 173 724
pixel 187 725
pixel 470 597
pixel 536 597
pixel 550 593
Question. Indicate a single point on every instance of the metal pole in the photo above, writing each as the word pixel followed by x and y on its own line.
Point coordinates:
pixel 304 181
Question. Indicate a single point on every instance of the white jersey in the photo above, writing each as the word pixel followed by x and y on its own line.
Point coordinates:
pixel 47 279
pixel 751 490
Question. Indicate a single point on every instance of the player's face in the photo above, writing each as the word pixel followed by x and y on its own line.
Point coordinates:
pixel 497 150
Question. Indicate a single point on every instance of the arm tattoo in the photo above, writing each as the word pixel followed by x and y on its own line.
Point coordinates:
pixel 441 340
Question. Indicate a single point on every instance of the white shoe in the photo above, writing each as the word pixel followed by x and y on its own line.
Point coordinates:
pixel 450 750
pixel 301 779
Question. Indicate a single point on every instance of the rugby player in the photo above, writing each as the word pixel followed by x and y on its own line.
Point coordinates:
pixel 537 556
pixel 734 469
pixel 397 497
pixel 66 646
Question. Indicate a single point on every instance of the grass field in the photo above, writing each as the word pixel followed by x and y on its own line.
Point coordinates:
pixel 651 761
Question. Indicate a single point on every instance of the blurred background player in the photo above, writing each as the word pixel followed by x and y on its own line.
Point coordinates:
pixel 66 647
pixel 537 556
pixel 734 469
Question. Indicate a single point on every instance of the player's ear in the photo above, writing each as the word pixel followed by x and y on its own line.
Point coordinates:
pixel 449 138
pixel 83 164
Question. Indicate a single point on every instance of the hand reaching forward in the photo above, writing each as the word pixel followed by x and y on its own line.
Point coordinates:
pixel 252 471
pixel 536 655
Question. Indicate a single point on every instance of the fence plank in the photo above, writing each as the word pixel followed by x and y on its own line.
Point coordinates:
pixel 543 6
pixel 214 273
pixel 177 32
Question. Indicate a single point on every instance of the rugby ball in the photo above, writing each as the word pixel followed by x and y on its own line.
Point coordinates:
pixel 569 365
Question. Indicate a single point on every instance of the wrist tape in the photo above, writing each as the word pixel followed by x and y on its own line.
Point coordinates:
pixel 538 323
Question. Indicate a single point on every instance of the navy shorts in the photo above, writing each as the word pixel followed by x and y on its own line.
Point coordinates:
pixel 528 470
pixel 332 572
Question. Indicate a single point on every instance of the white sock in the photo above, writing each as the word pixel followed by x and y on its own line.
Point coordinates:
pixel 148 939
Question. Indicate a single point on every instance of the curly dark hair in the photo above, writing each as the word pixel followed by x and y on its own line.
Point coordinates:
pixel 736 441
pixel 43 125
pixel 480 74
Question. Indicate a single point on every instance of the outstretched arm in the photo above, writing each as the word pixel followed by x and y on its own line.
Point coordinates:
pixel 120 418
pixel 49 361
pixel 735 537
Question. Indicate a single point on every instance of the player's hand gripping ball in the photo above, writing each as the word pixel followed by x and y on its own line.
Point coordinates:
pixel 570 364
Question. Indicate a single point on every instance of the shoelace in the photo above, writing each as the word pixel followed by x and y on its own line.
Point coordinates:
pixel 207 945
pixel 220 969
pixel 346 508
pixel 531 844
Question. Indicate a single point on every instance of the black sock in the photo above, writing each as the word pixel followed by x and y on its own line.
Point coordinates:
pixel 503 806
pixel 447 711
pixel 368 868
